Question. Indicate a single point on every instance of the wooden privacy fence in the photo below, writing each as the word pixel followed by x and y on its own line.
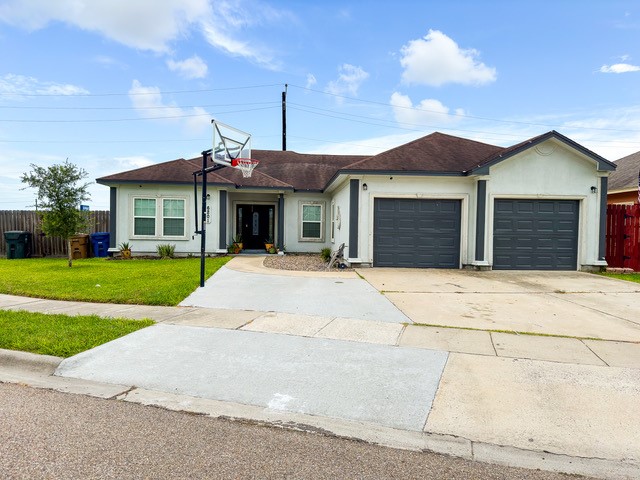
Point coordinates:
pixel 28 221
pixel 623 236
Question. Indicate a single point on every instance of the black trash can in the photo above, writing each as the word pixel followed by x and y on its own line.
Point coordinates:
pixel 18 244
pixel 100 244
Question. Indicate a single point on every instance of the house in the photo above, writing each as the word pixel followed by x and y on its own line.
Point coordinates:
pixel 623 184
pixel 437 202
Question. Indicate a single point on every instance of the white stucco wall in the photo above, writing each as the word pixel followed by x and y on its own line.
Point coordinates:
pixel 550 170
pixel 190 243
pixel 341 219
pixel 292 227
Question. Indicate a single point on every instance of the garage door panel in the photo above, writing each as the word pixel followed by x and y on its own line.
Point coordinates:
pixel 421 233
pixel 535 234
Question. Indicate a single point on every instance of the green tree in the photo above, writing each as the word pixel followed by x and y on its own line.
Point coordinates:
pixel 60 193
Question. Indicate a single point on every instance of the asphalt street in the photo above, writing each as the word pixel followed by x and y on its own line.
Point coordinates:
pixel 46 434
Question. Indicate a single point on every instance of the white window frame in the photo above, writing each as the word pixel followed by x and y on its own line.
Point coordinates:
pixel 162 217
pixel 302 238
pixel 159 218
pixel 134 216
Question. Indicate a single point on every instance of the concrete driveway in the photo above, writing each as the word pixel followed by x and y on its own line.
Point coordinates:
pixel 558 303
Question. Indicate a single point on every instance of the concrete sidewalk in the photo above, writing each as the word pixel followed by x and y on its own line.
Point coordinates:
pixel 477 342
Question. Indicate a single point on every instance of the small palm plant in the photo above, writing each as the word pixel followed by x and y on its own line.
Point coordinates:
pixel 125 250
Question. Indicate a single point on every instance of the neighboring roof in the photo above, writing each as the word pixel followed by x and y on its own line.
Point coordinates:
pixel 434 154
pixel 626 175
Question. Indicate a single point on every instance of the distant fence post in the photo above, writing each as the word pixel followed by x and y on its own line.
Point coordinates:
pixel 27 220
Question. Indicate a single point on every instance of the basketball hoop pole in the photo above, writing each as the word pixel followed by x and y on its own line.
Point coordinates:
pixel 203 231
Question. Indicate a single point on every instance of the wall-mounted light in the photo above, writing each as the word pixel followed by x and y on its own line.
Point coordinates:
pixel 208 196
pixel 364 187
pixel 594 189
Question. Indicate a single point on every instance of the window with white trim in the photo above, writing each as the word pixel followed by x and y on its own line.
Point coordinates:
pixel 144 217
pixel 159 217
pixel 172 217
pixel 312 221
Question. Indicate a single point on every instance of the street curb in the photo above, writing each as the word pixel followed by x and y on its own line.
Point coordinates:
pixel 334 427
pixel 372 433
pixel 31 362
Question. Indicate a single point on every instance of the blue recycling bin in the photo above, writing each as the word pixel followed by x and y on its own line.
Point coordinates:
pixel 100 244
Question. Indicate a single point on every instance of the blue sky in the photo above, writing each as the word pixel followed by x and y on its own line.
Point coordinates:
pixel 120 84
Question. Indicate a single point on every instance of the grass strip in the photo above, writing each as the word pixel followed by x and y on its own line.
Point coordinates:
pixel 630 277
pixel 511 332
pixel 61 335
pixel 139 282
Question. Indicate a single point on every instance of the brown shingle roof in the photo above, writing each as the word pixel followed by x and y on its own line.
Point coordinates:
pixel 437 152
pixel 626 175
pixel 277 169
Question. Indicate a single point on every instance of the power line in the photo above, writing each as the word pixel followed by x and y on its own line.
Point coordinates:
pixel 118 94
pixel 167 117
pixel 459 115
pixel 24 107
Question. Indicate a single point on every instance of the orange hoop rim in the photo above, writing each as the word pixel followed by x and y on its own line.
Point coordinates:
pixel 245 165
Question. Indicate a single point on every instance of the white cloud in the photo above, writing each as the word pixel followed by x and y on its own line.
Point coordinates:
pixel 436 60
pixel 619 68
pixel 109 62
pixel 14 86
pixel 153 25
pixel 138 161
pixel 427 111
pixel 149 103
pixel 228 29
pixel 193 67
pixel 311 80
pixel 349 80
pixel 143 24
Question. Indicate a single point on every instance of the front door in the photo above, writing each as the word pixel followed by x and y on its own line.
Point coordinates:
pixel 255 224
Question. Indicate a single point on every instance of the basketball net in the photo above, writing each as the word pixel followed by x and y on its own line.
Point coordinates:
pixel 245 165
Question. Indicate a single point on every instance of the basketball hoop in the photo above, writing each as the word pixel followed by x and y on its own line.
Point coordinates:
pixel 245 165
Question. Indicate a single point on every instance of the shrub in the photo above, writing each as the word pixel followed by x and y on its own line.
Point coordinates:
pixel 325 253
pixel 166 250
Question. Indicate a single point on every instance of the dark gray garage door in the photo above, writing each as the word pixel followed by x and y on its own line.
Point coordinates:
pixel 535 235
pixel 416 233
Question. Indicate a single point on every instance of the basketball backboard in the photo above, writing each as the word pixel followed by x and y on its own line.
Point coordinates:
pixel 229 143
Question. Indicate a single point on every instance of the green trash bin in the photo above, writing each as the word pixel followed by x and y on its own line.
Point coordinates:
pixel 18 244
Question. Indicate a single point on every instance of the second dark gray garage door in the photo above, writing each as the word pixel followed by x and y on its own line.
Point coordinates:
pixel 416 233
pixel 535 234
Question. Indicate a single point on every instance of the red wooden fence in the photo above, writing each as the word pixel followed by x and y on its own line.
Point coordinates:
pixel 623 236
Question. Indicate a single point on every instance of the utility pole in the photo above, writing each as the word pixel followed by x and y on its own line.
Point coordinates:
pixel 284 118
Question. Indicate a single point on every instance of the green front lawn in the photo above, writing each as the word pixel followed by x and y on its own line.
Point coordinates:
pixel 142 282
pixel 630 277
pixel 61 335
